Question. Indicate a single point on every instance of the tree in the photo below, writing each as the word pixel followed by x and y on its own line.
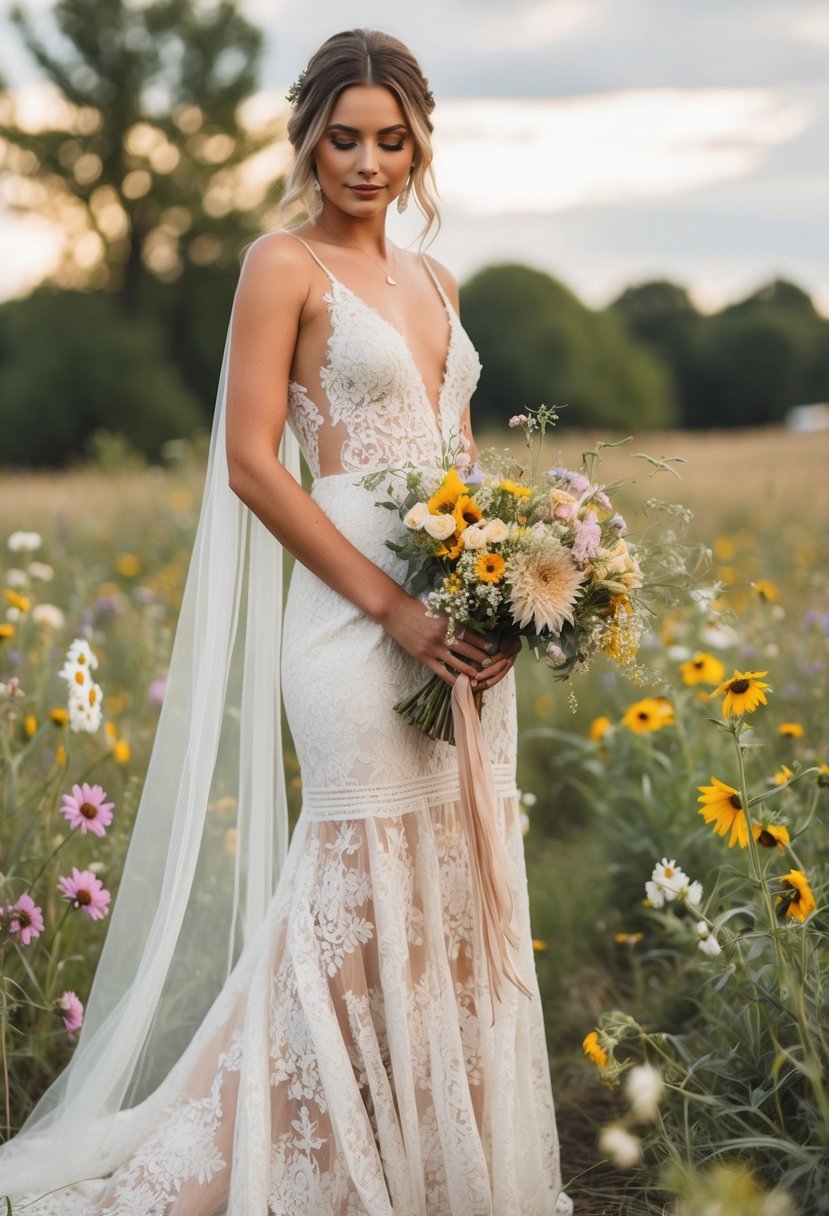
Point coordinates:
pixel 145 165
pixel 71 364
pixel 542 345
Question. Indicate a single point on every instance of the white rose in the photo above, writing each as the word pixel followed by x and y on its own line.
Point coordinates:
pixel 439 526
pixel 415 518
pixel 474 537
pixel 618 558
pixel 496 531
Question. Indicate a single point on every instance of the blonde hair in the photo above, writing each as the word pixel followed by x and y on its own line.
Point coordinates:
pixel 360 57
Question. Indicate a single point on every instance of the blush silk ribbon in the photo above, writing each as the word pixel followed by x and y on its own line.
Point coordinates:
pixel 488 860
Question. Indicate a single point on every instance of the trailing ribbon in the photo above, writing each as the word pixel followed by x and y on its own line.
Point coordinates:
pixel 490 868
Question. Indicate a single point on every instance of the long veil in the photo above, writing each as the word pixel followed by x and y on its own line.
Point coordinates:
pixel 209 839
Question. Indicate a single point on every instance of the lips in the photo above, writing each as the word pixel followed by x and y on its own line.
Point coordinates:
pixel 366 191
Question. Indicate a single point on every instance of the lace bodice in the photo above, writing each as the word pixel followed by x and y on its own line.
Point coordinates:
pixel 373 409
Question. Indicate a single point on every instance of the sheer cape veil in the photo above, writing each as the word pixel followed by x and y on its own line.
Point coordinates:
pixel 208 842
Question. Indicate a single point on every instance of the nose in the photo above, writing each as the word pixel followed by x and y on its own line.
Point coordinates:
pixel 367 165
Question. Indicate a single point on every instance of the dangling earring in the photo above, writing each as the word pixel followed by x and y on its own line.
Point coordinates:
pixel 403 196
pixel 316 206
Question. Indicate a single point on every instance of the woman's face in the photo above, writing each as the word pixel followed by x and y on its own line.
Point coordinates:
pixel 364 157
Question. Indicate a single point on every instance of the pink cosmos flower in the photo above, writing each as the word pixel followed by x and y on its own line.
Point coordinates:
pixel 71 1012
pixel 86 892
pixel 86 809
pixel 588 536
pixel 25 919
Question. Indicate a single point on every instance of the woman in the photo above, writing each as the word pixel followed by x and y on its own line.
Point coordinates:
pixel 360 1058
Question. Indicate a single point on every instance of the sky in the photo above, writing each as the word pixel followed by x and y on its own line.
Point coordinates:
pixel 606 142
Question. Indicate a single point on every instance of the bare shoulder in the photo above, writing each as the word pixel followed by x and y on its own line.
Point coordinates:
pixel 445 277
pixel 276 266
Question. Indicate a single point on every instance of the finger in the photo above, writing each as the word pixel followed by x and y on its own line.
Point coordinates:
pixel 456 663
pixel 472 650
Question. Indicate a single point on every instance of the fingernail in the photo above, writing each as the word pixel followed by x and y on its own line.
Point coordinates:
pixel 485 662
pixel 491 647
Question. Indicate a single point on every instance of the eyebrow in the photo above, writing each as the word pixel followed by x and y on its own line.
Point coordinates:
pixel 339 126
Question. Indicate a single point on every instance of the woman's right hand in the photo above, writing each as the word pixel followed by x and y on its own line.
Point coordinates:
pixel 424 637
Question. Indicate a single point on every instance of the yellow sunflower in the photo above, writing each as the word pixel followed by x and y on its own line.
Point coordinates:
pixel 517 491
pixel 770 834
pixel 489 567
pixel 593 1049
pixel 598 729
pixel 783 774
pixel 766 589
pixel 702 669
pixel 791 730
pixel 648 715
pixel 466 512
pixel 798 901
pixel 722 806
pixel 742 693
pixel 443 500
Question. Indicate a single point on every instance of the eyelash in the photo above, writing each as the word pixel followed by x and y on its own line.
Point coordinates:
pixel 342 147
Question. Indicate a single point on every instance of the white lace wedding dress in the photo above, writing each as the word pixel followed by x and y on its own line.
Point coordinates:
pixel 351 1065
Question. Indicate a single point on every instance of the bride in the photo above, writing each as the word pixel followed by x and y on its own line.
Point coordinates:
pixel 363 1052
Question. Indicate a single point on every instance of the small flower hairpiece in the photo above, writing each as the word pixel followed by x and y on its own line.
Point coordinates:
pixel 296 88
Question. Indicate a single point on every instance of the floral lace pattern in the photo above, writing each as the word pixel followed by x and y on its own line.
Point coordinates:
pixel 352 1065
pixel 374 391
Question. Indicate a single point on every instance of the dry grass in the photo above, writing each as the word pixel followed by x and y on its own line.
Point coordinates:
pixel 730 478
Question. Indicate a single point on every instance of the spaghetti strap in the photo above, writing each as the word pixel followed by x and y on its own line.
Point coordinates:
pixel 320 263
pixel 432 275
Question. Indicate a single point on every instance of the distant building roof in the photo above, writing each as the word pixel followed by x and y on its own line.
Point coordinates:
pixel 808 417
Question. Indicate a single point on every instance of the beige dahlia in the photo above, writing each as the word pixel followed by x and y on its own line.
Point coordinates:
pixel 545 586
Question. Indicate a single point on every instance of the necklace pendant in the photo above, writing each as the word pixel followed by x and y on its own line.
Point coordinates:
pixel 392 282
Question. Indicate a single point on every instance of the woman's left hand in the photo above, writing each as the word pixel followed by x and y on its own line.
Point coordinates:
pixel 502 661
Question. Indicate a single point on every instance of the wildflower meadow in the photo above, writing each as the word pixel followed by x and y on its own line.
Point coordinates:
pixel 675 817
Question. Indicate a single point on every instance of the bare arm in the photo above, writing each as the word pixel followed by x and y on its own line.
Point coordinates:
pixel 271 301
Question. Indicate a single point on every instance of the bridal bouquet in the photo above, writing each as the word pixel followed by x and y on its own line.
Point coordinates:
pixel 542 558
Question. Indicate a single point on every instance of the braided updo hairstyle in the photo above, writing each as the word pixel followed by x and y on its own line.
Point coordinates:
pixel 360 57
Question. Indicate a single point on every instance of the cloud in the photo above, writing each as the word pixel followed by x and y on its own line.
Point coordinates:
pixel 514 155
pixel 532 26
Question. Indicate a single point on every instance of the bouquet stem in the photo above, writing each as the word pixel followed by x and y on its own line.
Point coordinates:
pixel 430 709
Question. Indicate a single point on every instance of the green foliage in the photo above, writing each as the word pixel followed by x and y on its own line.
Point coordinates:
pixel 151 140
pixel 70 364
pixel 744 366
pixel 540 344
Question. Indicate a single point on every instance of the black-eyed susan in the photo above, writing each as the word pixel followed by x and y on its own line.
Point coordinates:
pixel 6 631
pixel 766 590
pixel 593 1049
pixel 797 901
pixel 30 726
pixel 59 715
pixel 539 945
pixel 722 806
pixel 742 692
pixel 444 499
pixel 791 730
pixel 598 728
pixel 770 834
pixel 652 713
pixel 702 669
pixel 489 567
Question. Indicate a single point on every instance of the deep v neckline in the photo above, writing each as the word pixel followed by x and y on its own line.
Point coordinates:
pixel 437 414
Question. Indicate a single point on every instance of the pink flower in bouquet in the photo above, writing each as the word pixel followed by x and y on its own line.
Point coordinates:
pixel 25 919
pixel 86 892
pixel 86 809
pixel 588 537
pixel 71 1012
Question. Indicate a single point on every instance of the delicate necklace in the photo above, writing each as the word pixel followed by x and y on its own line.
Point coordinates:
pixel 390 279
